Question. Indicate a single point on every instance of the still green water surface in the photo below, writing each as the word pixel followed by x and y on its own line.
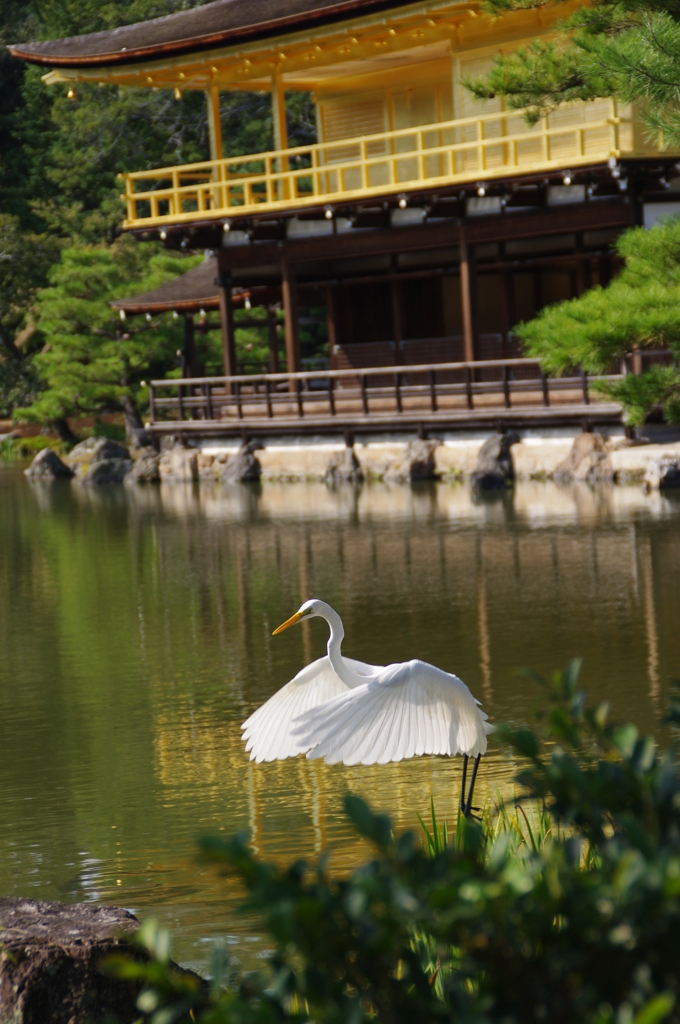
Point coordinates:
pixel 136 637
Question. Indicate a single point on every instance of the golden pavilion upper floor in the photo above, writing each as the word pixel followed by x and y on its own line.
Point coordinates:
pixel 426 221
pixel 394 120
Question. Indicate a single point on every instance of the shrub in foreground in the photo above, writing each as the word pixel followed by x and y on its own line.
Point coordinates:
pixel 565 910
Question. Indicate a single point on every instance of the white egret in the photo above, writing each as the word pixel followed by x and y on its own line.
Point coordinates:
pixel 345 711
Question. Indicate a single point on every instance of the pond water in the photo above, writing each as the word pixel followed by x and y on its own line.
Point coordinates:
pixel 136 633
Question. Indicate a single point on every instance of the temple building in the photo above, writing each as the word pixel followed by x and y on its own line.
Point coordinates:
pixel 425 222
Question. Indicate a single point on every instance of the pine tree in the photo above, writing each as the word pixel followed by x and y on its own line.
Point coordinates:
pixel 639 310
pixel 630 50
pixel 91 361
pixel 624 48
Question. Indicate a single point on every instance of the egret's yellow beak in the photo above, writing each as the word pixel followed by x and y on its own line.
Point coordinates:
pixel 289 622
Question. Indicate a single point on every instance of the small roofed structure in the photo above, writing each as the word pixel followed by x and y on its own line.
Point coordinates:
pixel 199 291
pixel 189 293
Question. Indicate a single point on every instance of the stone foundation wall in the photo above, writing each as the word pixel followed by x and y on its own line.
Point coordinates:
pixel 454 459
pixel 577 456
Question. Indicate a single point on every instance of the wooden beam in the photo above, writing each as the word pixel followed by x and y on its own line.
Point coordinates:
pixel 468 288
pixel 588 217
pixel 291 317
pixel 227 321
pixel 212 96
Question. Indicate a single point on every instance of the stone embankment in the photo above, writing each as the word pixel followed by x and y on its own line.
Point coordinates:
pixel 50 963
pixel 53 963
pixel 490 463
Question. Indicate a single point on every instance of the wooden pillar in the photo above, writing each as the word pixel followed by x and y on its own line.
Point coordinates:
pixel 227 321
pixel 332 324
pixel 581 281
pixel 188 359
pixel 397 316
pixel 273 340
pixel 505 281
pixel 279 112
pixel 214 123
pixel 468 292
pixel 506 303
pixel 280 127
pixel 291 317
pixel 538 292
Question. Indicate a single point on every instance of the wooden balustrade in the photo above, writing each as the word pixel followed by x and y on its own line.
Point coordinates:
pixel 376 397
pixel 490 145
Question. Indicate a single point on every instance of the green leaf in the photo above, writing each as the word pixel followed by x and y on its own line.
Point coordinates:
pixel 571 676
pixel 624 739
pixel 376 827
pixel 656 1010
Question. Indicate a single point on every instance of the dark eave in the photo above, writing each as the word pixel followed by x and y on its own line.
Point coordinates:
pixel 223 23
pixel 188 293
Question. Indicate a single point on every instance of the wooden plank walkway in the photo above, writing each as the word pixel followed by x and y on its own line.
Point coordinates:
pixel 424 398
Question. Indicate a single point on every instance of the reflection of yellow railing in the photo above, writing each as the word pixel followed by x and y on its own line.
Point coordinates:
pixel 490 146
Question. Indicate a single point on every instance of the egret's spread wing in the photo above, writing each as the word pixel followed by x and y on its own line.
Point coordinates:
pixel 408 709
pixel 267 731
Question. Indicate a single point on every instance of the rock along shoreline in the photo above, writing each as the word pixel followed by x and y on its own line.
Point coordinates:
pixel 489 462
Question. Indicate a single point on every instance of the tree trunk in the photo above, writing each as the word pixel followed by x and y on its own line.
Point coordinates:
pixel 62 430
pixel 135 433
pixel 11 349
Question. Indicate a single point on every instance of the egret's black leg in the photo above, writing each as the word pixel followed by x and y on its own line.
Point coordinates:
pixel 462 788
pixel 468 806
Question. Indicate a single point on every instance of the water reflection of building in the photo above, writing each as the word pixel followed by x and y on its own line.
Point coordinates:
pixel 294 808
pixel 530 579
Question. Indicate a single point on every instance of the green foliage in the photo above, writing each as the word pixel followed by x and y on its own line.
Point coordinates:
pixel 570 912
pixel 59 162
pixel 640 309
pixel 628 49
pixel 14 448
pixel 25 260
pixel 91 361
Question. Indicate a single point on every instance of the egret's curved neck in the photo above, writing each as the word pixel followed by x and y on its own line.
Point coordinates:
pixel 340 667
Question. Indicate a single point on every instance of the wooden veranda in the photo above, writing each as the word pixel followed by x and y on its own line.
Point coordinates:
pixel 425 399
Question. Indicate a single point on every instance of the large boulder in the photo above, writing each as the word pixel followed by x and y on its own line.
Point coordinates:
pixel 96 449
pixel 662 475
pixel 48 466
pixel 589 460
pixel 244 467
pixel 417 463
pixel 106 471
pixel 343 467
pixel 178 465
pixel 99 460
pixel 145 469
pixel 50 959
pixel 494 469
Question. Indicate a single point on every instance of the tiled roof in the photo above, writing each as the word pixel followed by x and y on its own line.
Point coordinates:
pixel 226 22
pixel 187 293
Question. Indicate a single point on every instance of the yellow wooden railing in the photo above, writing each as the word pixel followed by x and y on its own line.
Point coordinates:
pixel 469 149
